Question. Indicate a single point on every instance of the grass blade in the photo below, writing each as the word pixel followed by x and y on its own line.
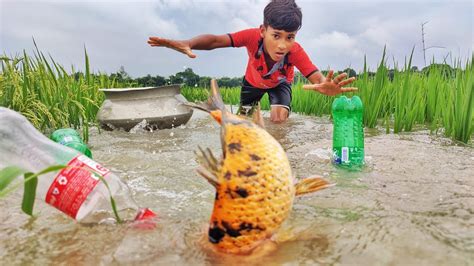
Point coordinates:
pixel 29 194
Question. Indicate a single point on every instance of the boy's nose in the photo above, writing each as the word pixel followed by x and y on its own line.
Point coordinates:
pixel 281 46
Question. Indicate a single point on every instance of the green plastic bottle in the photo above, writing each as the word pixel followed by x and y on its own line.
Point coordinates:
pixel 70 138
pixel 348 132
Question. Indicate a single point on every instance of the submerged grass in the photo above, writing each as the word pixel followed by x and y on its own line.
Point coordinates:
pixel 51 98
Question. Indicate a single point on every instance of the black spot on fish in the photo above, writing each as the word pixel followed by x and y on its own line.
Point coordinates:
pixel 216 234
pixel 227 175
pixel 255 157
pixel 230 231
pixel 217 195
pixel 242 192
pixel 245 226
pixel 234 147
pixel 247 172
pixel 249 226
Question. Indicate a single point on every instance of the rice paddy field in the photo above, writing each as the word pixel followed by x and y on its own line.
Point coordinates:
pixel 52 97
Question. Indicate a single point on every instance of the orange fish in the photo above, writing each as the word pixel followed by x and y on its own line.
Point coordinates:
pixel 254 185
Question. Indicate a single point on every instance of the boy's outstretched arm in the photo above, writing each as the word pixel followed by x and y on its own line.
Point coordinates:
pixel 201 42
pixel 327 85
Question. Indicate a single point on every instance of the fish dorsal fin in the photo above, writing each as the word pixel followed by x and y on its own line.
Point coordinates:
pixel 311 184
pixel 215 99
pixel 214 104
pixel 257 116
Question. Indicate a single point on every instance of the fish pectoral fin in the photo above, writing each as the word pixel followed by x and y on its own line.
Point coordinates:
pixel 208 160
pixel 297 232
pixel 210 166
pixel 265 248
pixel 208 176
pixel 311 184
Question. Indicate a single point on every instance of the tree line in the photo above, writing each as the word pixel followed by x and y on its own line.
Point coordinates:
pixel 189 78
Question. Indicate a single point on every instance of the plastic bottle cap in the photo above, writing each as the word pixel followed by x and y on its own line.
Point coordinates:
pixel 145 219
pixel 145 214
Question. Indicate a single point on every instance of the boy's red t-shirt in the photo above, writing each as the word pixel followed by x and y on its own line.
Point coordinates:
pixel 257 73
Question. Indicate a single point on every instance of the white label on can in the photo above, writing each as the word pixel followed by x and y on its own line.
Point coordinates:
pixel 344 154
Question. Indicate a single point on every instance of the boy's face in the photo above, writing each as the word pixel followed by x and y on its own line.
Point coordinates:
pixel 277 43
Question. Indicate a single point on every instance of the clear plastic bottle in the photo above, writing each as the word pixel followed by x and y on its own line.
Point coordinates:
pixel 75 190
pixel 348 133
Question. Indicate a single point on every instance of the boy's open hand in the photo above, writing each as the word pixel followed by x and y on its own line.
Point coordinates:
pixel 332 86
pixel 180 46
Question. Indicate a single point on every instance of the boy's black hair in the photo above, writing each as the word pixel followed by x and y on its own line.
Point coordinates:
pixel 282 15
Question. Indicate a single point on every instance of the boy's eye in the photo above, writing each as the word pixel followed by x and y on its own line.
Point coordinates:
pixel 276 36
pixel 291 37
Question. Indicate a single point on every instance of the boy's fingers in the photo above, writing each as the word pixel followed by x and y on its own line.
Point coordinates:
pixel 309 86
pixel 157 41
pixel 153 43
pixel 340 77
pixel 349 89
pixel 191 55
pixel 329 76
pixel 154 39
pixel 346 81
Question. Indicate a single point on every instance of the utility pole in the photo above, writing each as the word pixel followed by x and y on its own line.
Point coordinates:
pixel 423 41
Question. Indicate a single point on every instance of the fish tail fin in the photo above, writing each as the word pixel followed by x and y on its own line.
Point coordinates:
pixel 311 184
pixel 214 104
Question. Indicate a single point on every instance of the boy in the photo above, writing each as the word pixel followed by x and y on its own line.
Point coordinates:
pixel 273 53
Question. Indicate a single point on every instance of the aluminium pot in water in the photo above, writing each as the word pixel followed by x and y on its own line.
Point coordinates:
pixel 156 107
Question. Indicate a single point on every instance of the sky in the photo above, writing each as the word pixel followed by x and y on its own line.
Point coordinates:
pixel 336 34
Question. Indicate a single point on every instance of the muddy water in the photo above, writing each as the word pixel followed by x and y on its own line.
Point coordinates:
pixel 412 204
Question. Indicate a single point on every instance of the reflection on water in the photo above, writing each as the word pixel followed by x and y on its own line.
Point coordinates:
pixel 412 204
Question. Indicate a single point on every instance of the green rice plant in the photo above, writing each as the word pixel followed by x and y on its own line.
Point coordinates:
pixel 374 93
pixel 229 95
pixel 432 86
pixel 461 127
pixel 309 102
pixel 50 97
pixel 45 93
pixel 195 94
pixel 409 98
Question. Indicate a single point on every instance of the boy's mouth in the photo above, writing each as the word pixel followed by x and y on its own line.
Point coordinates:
pixel 279 55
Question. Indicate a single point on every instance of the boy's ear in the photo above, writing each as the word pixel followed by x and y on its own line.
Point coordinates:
pixel 262 30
